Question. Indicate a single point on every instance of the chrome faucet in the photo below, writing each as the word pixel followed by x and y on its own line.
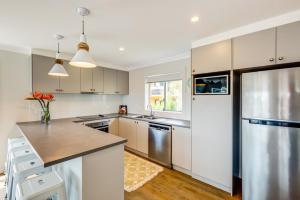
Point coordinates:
pixel 149 107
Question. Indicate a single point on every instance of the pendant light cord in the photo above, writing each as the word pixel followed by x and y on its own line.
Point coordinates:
pixel 82 25
pixel 58 47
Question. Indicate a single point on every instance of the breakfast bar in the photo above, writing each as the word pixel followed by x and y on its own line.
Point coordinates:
pixel 90 161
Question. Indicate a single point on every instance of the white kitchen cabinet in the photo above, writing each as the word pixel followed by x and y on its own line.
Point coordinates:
pixel 113 126
pixel 288 43
pixel 255 49
pixel 212 58
pixel 181 147
pixel 142 136
pixel 212 140
pixel 127 129
pixel 136 132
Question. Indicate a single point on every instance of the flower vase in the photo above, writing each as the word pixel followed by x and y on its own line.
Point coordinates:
pixel 45 119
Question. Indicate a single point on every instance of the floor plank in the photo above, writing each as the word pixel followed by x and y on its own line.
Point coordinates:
pixel 174 185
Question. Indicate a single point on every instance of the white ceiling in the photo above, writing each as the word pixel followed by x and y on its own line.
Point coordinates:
pixel 149 29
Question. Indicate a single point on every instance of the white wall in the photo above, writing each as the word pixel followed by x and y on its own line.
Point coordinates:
pixel 15 85
pixel 136 98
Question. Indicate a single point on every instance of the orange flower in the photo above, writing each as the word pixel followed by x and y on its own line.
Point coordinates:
pixel 37 95
pixel 48 97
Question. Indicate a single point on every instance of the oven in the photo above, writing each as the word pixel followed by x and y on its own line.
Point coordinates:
pixel 99 125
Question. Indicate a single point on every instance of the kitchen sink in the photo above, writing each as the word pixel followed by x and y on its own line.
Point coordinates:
pixel 146 117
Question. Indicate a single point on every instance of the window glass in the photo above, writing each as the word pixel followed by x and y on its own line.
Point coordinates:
pixel 174 96
pixel 165 95
pixel 157 95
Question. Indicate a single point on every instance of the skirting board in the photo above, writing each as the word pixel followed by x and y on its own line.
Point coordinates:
pixel 213 183
pixel 180 169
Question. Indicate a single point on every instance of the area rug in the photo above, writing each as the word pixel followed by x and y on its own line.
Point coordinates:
pixel 138 171
pixel 2 187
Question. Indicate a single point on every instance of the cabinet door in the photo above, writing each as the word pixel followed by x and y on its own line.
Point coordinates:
pixel 71 83
pixel 212 140
pixel 127 129
pixel 114 126
pixel 98 78
pixel 212 58
pixel 142 136
pixel 254 50
pixel 122 82
pixel 181 147
pixel 86 80
pixel 288 43
pixel 110 82
pixel 41 81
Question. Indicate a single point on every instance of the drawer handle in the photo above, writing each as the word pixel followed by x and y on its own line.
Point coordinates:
pixel 271 59
pixel 281 58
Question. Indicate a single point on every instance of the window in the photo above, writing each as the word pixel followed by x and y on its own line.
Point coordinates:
pixel 164 95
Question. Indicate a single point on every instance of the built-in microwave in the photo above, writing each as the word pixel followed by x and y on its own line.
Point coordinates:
pixel 212 83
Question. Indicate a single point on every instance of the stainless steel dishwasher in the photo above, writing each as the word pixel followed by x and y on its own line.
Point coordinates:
pixel 160 144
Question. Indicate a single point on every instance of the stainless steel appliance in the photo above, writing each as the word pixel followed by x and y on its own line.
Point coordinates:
pixel 271 134
pixel 160 144
pixel 99 125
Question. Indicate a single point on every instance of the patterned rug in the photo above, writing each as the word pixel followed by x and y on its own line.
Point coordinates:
pixel 138 171
pixel 2 189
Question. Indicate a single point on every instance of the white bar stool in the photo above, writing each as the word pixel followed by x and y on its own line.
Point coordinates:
pixel 17 157
pixel 46 186
pixel 14 145
pixel 24 170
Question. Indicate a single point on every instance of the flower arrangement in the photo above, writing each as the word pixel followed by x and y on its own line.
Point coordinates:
pixel 44 99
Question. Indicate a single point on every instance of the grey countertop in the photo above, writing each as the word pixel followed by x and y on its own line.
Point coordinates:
pixel 158 120
pixel 64 140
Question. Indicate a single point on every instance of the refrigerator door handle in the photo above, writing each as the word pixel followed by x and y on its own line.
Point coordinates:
pixel 274 123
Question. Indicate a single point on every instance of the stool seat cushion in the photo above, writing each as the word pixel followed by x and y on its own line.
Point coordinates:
pixel 39 185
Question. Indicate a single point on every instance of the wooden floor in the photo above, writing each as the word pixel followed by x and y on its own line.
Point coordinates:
pixel 173 185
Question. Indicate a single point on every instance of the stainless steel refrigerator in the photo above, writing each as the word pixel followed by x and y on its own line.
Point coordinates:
pixel 271 134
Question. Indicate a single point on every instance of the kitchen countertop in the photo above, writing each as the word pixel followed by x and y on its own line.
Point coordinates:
pixel 159 120
pixel 64 140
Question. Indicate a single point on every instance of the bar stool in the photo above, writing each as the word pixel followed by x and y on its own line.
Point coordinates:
pixel 46 186
pixel 24 170
pixel 14 145
pixel 17 157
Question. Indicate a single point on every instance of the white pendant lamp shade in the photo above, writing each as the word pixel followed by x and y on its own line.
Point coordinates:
pixel 58 68
pixel 82 57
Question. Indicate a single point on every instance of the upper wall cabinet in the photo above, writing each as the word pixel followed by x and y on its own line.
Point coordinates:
pixel 116 81
pixel 122 82
pixel 212 58
pixel 110 81
pixel 41 81
pixel 71 83
pixel 86 80
pixel 92 80
pixel 288 43
pixel 253 50
pixel 97 80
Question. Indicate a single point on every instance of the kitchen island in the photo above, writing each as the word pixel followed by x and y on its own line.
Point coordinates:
pixel 90 161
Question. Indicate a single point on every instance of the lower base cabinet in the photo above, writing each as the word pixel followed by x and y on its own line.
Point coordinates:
pixel 113 126
pixel 181 147
pixel 127 130
pixel 136 132
pixel 142 136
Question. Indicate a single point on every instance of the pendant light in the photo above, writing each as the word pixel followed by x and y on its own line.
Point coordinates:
pixel 82 57
pixel 58 68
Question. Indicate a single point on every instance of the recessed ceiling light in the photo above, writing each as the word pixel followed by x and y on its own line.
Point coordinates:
pixel 122 49
pixel 194 19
